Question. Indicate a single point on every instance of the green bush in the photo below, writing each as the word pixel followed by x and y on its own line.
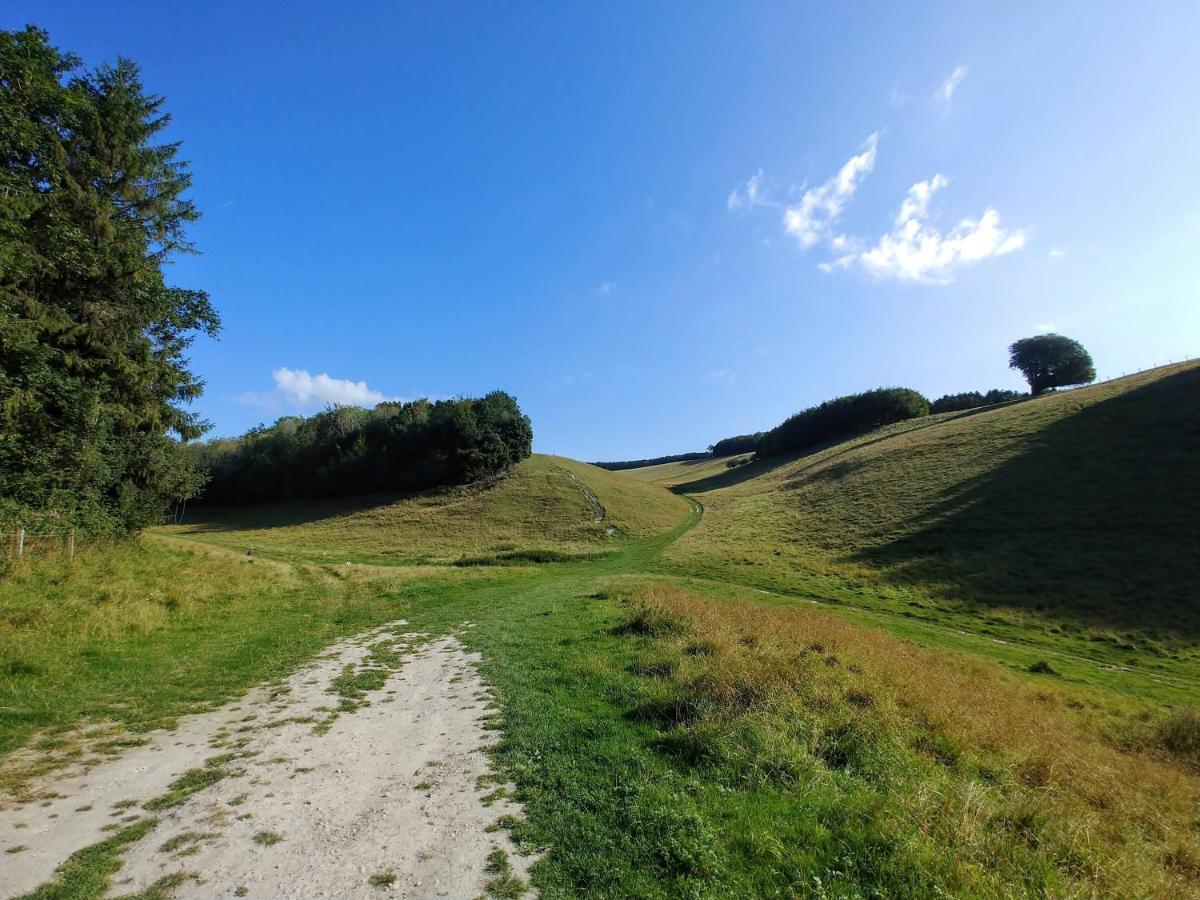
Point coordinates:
pixel 973 400
pixel 741 443
pixel 347 450
pixel 843 417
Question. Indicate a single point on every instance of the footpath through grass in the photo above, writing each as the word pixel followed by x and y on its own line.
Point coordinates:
pixel 668 738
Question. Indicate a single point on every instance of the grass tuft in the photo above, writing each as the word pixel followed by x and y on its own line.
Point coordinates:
pixel 382 879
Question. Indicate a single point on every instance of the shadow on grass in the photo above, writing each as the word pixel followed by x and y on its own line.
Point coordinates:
pixel 202 518
pixel 757 467
pixel 1097 521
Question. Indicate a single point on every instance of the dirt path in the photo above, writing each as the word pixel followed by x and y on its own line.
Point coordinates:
pixel 358 776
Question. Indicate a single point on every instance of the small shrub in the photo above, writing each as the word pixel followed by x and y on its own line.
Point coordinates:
pixel 843 417
pixel 1179 733
pixel 653 621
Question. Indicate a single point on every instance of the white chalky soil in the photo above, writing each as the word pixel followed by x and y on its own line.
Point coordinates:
pixel 345 805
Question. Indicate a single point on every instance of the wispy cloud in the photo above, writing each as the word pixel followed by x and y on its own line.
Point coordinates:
pixel 809 220
pixel 297 389
pixel 722 376
pixel 605 287
pixel 945 92
pixel 1056 253
pixel 753 193
pixel 916 250
pixel 1046 328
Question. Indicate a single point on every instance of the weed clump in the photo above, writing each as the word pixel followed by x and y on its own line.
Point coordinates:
pixel 504 883
pixel 1179 733
pixel 382 879
pixel 653 621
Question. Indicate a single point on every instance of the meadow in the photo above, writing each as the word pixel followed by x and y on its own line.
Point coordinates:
pixel 1052 529
pixel 546 505
pixel 738 694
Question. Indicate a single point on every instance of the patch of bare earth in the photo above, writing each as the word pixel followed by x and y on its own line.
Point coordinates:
pixel 361 775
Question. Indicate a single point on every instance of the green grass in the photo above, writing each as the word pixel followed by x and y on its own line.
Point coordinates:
pixel 86 873
pixel 1062 528
pixel 197 627
pixel 689 470
pixel 670 729
pixel 547 506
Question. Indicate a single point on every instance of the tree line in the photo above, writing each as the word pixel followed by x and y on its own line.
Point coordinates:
pixel 653 461
pixel 350 450
pixel 94 377
pixel 1048 361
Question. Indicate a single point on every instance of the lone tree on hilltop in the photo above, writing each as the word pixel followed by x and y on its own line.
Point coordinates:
pixel 1051 361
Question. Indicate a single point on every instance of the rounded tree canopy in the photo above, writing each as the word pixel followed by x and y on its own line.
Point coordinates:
pixel 1050 361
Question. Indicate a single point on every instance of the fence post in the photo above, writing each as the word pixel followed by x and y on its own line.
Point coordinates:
pixel 20 542
pixel 71 544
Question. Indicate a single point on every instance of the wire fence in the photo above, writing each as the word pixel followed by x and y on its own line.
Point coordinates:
pixel 20 541
pixel 1169 362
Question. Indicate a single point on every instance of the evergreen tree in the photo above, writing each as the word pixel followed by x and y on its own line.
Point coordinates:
pixel 93 376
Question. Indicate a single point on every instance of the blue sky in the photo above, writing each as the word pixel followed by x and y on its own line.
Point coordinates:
pixel 661 224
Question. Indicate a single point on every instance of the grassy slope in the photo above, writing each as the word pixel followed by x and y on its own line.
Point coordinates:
pixel 669 734
pixel 665 740
pixel 689 470
pixel 1064 524
pixel 540 506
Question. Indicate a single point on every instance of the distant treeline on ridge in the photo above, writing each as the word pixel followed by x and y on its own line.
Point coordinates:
pixel 656 461
pixel 349 450
pixel 835 419
pixel 842 417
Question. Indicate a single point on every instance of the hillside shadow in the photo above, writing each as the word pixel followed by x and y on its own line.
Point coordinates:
pixel 1096 521
pixel 758 467
pixel 204 518
pixel 735 475
pixel 843 468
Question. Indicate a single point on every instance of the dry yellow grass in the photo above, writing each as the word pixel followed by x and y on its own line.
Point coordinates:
pixel 1007 780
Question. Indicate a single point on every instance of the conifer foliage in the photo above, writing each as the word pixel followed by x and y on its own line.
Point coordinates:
pixel 94 381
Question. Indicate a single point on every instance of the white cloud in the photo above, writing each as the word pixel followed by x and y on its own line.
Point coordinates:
pixel 300 388
pixel 1046 328
pixel 915 250
pixel 1056 253
pixel 605 287
pixel 945 92
pixel 809 220
pixel 750 195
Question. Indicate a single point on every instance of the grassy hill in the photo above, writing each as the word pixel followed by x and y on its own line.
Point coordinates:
pixel 1071 516
pixel 673 730
pixel 549 506
pixel 689 470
